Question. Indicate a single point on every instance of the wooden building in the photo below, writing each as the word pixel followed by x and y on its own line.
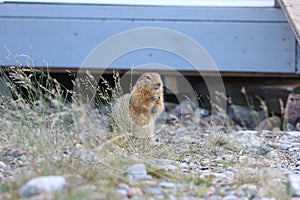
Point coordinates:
pixel 242 38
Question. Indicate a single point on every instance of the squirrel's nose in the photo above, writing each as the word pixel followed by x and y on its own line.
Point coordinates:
pixel 158 86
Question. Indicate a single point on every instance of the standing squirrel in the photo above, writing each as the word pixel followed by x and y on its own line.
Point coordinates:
pixel 135 113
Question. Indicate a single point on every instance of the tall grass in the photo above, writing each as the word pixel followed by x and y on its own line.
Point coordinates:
pixel 59 135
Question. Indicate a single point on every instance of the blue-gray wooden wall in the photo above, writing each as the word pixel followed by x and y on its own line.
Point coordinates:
pixel 62 35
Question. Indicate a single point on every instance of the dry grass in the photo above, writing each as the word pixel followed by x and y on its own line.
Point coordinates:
pixel 269 182
pixel 74 139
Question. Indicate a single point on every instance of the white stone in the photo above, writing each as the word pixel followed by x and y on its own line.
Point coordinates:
pixel 137 172
pixel 2 165
pixel 43 184
pixel 294 184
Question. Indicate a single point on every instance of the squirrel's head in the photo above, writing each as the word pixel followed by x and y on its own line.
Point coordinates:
pixel 150 81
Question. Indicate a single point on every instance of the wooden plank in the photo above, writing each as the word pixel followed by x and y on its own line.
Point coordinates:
pixel 158 13
pixel 244 47
pixel 238 39
pixel 239 3
pixel 292 11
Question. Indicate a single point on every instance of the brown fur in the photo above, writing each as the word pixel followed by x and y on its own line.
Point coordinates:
pixel 146 99
pixel 136 112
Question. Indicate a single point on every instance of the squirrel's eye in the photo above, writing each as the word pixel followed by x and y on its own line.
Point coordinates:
pixel 148 77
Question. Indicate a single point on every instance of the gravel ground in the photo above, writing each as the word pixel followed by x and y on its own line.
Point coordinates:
pixel 201 163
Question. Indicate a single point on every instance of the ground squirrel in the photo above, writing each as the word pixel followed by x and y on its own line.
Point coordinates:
pixel 135 113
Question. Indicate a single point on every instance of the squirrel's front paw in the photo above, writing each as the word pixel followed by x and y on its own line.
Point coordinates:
pixel 156 97
pixel 155 109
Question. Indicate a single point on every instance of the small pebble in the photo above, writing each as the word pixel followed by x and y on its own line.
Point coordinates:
pixel 184 165
pixel 134 191
pixel 264 150
pixel 286 146
pixel 2 165
pixel 294 185
pixel 230 197
pixel 1 176
pixel 122 192
pixel 137 172
pixel 272 155
pixel 154 190
pixel 167 185
pixel 171 168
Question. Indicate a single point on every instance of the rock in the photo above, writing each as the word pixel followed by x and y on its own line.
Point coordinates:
pixel 187 159
pixel 23 158
pixel 286 146
pixel 289 127
pixel 269 124
pixel 272 155
pixel 172 112
pixel 171 168
pixel 201 112
pixel 157 191
pixel 43 196
pixel 123 186
pixel 13 152
pixel 184 165
pixel 224 190
pixel 181 131
pixel 244 116
pixel 9 159
pixel 294 185
pixel 230 197
pixel 2 165
pixel 134 191
pixel 264 150
pixel 249 140
pixel 294 133
pixel 286 137
pixel 137 172
pixel 123 189
pixel 122 192
pixel 187 107
pixel 81 153
pixel 298 126
pixel 44 184
pixel 1 176
pixel 167 185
